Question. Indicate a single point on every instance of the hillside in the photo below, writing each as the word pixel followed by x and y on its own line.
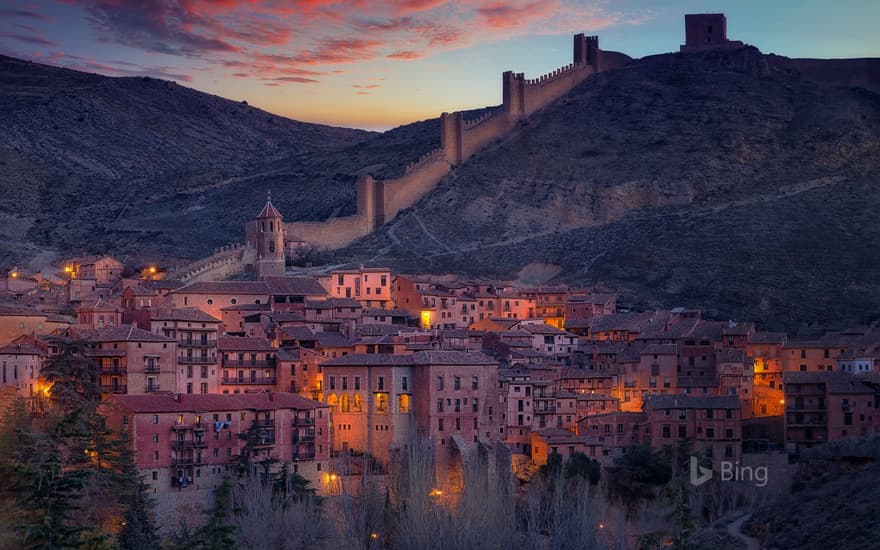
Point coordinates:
pixel 144 166
pixel 719 180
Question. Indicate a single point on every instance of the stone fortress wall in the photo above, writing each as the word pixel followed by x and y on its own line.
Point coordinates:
pixel 378 202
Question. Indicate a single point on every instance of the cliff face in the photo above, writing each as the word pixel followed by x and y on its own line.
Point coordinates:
pixel 717 180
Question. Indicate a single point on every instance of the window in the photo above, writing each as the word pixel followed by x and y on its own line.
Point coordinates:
pixel 666 431
pixel 155 438
pixel 439 405
pixel 475 383
pixel 357 382
pixel 710 433
pixel 155 475
pixel 403 403
pixel 728 433
pixel 682 431
pixel 404 383
pixel 155 419
pixel 475 407
pixel 381 383
pixel 457 383
pixel 332 382
pixel 440 424
pixel 439 383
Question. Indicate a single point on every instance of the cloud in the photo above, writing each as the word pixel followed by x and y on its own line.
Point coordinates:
pixel 23 14
pixel 405 55
pixel 296 79
pixel 365 86
pixel 33 39
pixel 508 15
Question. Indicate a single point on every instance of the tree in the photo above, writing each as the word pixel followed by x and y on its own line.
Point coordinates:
pixel 72 377
pixel 139 530
pixel 579 464
pixel 218 532
pixel 636 476
pixel 47 493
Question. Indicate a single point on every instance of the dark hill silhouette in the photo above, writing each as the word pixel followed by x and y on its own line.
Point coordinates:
pixel 725 180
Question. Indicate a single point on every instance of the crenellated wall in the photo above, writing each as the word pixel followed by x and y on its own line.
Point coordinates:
pixel 226 261
pixel 379 202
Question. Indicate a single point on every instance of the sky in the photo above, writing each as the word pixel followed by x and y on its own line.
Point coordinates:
pixel 377 65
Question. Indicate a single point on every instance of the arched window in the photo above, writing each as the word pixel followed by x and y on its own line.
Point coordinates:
pixel 358 403
pixel 343 403
pixel 271 245
pixel 333 401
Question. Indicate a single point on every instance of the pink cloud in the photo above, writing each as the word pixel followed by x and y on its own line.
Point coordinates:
pixel 405 55
pixel 507 15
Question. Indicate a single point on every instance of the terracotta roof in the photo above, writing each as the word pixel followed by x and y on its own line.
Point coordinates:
pixel 269 211
pixel 684 401
pixel 246 307
pixel 331 303
pixel 98 304
pixel 435 357
pixel 225 287
pixel 19 348
pixel 448 357
pixel 235 343
pixel 19 311
pixel 192 314
pixel 288 354
pixel 127 333
pixel 835 382
pixel 768 338
pixel 332 340
pixel 286 316
pixel 370 359
pixel 295 286
pixel 299 333
pixel 207 402
pixel 541 329
pixel 660 349
pixel 165 284
pixel 374 311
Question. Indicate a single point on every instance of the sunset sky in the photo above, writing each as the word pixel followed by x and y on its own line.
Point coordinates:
pixel 380 64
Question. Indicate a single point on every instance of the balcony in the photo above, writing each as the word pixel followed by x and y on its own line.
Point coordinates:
pixel 110 369
pixel 305 454
pixel 152 388
pixel 114 388
pixel 264 423
pixel 304 421
pixel 242 380
pixel 304 438
pixel 236 364
pixel 151 369
pixel 196 360
pixel 199 427
pixel 196 343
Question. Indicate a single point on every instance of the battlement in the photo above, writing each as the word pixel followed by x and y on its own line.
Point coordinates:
pixel 551 75
pixel 380 201
pixel 437 155
pixel 468 124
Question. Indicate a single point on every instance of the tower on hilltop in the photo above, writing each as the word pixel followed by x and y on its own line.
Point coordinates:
pixel 268 233
pixel 706 31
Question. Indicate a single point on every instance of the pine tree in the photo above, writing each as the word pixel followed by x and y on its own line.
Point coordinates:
pixel 48 494
pixel 139 531
pixel 218 532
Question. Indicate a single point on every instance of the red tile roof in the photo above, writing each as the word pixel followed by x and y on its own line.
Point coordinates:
pixel 169 402
pixel 181 314
pixel 233 343
pixel 225 287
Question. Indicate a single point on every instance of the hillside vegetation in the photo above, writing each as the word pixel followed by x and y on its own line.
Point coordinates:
pixel 717 180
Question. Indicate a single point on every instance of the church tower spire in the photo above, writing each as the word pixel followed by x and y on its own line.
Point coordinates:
pixel 270 241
